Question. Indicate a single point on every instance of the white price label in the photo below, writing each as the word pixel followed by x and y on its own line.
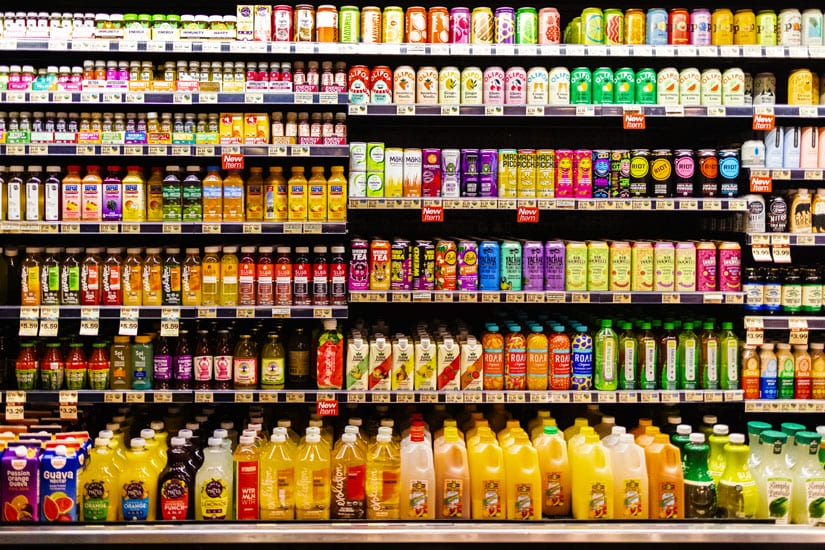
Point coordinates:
pixel 89 321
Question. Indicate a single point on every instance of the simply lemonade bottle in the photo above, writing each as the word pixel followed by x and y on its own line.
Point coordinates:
pixel 775 480
pixel 98 484
pixel 809 481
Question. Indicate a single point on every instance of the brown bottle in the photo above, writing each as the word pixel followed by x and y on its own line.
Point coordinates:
pixel 223 362
pixel 203 362
pixel 183 362
pixel 298 359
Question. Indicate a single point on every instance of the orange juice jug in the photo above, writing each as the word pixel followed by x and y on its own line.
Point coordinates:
pixel 630 484
pixel 152 278
pixel 648 437
pixel 154 195
pixel 667 484
pixel 640 428
pixel 577 426
pixel 487 478
pixel 317 195
pixel 191 278
pixel 555 472
pixel 523 480
pixel 452 477
pixel 254 195
pixel 297 195
pixel 276 197
pixel 233 210
pixel 228 286
pixel 337 195
pixel 132 278
pixel 212 195
pixel 537 359
pixel 210 276
pixel 592 480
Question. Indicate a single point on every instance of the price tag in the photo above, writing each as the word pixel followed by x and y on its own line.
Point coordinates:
pixel 799 331
pixel 380 397
pixel 399 297
pixel 328 98
pixel 133 150
pixel 67 412
pixel 170 322
pixel 805 240
pixel 694 396
pixel 109 228
pixel 670 397
pixel 38 149
pixel 474 397
pixel 16 397
pixel 781 254
pixel 135 397
pixel 581 397
pixel 162 397
pixel 449 110
pixel 516 397
pixel 19 150
pixel 534 297
pixel 243 397
pixel 49 321
pixel 207 313
pixel 204 397
pixel 514 297
pixel 300 151
pixel 493 110
pixel 322 313
pixel 157 150
pixel 89 321
pixel 539 397
pixel 181 151
pixel 650 397
pixel 467 297
pixel 14 412
pixel 134 97
pixel 28 321
pixel 535 110
pixel 714 397
pixel 110 150
pixel 252 228
pixel 356 397
pixel 295 397
pixel 490 297
pixel 712 298
pixel 671 298
pixel 454 397
pixel 555 297
pixel 245 312
pixel 585 110
pixel 257 98
pixel 268 397
pixel 628 397
pixel 205 151
pixel 621 298
pixel 580 297
pixel 405 397
pixel 171 228
pixel 808 111
pixel 358 109
pixel 113 397
pixel 405 110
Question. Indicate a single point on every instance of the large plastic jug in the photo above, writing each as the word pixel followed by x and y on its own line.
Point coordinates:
pixel 579 438
pixel 667 483
pixel 592 480
pixel 578 424
pixel 630 484
pixel 417 487
pixel 452 477
pixel 647 437
pixel 523 476
pixel 508 428
pixel 640 428
pixel 538 430
pixel 538 421
pixel 487 477
pixel 555 472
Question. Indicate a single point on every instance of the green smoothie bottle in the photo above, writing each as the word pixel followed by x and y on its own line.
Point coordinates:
pixel 648 355
pixel 669 358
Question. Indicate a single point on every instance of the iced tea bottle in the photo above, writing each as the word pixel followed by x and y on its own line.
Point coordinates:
pixel 283 277
pixel 213 195
pixel 246 276
pixel 152 278
pixel 320 276
pixel 192 278
pixel 297 195
pixel 162 364
pixel 203 362
pixel 154 198
pixel 245 364
pixel 70 278
pixel 223 361
pixel 274 192
pixel 90 278
pixel 211 276
pixel 183 362
pixel 264 277
pixel 228 287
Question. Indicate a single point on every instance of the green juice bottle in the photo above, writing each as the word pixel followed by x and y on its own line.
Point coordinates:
pixel 669 358
pixel 605 376
pixel 687 359
pixel 648 355
pixel 628 357
pixel 700 490
pixel 737 492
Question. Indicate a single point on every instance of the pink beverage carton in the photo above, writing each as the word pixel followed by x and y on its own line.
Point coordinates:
pixel 380 363
pixel 20 484
pixel 554 255
pixel 59 470
pixel 730 265
pixel 583 173
pixel 532 266
pixel 358 359
pixel 564 173
pixel 448 364
pixel 431 173
pixel 685 267
pixel 112 199
pixel 359 273
pixel 424 363
pixel 403 362
pixel 472 365
pixel 664 266
pixel 467 275
pixel 705 266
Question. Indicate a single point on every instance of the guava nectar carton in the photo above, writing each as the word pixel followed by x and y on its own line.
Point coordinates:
pixel 448 360
pixel 59 470
pixel 472 365
pixel 425 364
pixel 358 358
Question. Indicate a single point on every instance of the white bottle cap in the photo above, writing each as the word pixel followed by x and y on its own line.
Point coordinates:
pixel 247 440
pixel 178 442
pixel 102 442
pixel 348 438
pixel 137 443
pixel 313 438
pixel 697 438
pixel 220 433
pixel 278 438
pixel 720 429
pixel 186 434
pixel 618 430
pixel 737 439
pixel 215 442
pixel 383 438
pixel 683 429
pixel 147 433
pixel 106 434
pixel 627 438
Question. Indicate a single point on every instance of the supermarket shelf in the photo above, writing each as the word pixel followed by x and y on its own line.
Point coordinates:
pixel 381 397
pixel 784 406
pixel 791 239
pixel 785 323
pixel 674 204
pixel 180 150
pixel 544 50
pixel 546 297
pixel 788 174
pixel 125 96
pixel 170 228
pixel 181 312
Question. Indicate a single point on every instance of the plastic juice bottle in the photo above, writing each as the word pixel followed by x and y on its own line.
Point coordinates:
pixel 575 428
pixel 581 359
pixel 278 480
pixel 452 472
pixel 641 427
pixel 91 274
pixel 523 479
pixel 277 185
pixel 647 438
pixel 337 195
pixel 669 373
pixel 112 198
pixel 245 364
pixel 312 480
pixel 246 276
pixel 537 359
pixel 142 363
pixel 99 366
pixel 417 485
pixel 817 370
pixel 559 360
pixel 254 195
pixel 349 478
pixel 191 278
pixel 30 287
pixel 728 358
pixel 700 489
pixel 792 450
pixel 111 278
pixel 316 191
pixel 120 375
pixel 802 373
pixel 716 460
pixel 809 481
pixel 681 438
pixel 273 363
pixel 98 484
pixel 710 358
pixel 203 361
pixel 628 357
pixel 211 276
pixel 492 343
pixel 555 472
pixel 152 278
pixel 330 357
pixel 666 479
pixel 605 427
pixel 688 358
pixel 648 358
pixel 171 293
pixel 35 195
pixel 76 367
pixel 176 484
pixel 383 465
pixel 246 461
pixel 154 195
pixel 92 194
pixel 214 484
pixel 486 461
pixel 70 191
pixel 192 195
pixel 157 454
pixel 605 371
pixel 775 480
pixel 172 190
pixel 212 195
pixel 228 286
pixel 630 481
pixel 233 199
pixel 758 451
pixel 138 483
pixel 736 491
pixel 592 480
pixel 535 422
pixel 132 278
pixel 134 195
pixel 785 371
pixel 297 195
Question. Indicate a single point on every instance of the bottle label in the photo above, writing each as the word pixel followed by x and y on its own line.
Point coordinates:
pixel 733 360
pixel 554 496
pixel 650 364
pixel 162 367
pixel 668 504
pixel 524 505
pixel 712 351
pixel 183 367
pixel 690 361
pixel 779 499
pixel 632 499
pixel 214 499
pixel 608 357
pixel 492 499
pixel 223 368
pixel 298 363
pixel 598 501
pixel 203 368
pixel 246 489
pixel 95 500
pixel 348 492
pixel 174 499
pixel 453 504
pixel 815 499
pixel 629 361
pixel 272 371
pixel 419 497
pixel 135 501
pixel 670 364
pixel 245 370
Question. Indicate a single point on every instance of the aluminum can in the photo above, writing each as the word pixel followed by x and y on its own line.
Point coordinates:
pixel 371 23
pixel 392 25
pixel 635 26
pixel 505 25
pixel 460 24
pixel 526 26
pixel 549 26
pixel 766 28
pixel 415 25
pixel 744 28
pixel 349 25
pixel 700 27
pixel 722 27
pixel 438 25
pixel 656 24
pixel 679 26
pixel 482 26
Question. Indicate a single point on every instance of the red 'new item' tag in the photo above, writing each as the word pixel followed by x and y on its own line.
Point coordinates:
pixel 232 162
pixel 634 121
pixel 764 123
pixel 432 214
pixel 761 184
pixel 527 214
pixel 327 408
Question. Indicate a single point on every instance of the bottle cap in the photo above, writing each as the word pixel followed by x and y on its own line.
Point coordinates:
pixel 697 438
pixel 313 438
pixel 773 436
pixel 720 429
pixel 137 443
pixel 674 419
pixel 277 438
pixel 551 430
pixel 608 420
pixel 247 439
pixel 737 439
pixel 178 442
pixel 709 419
pixel 383 438
pixel 215 442
pixel 618 430
pixel 220 433
pixel 102 442
pixel 356 421
pixel 348 437
pixel 186 434
pixel 227 425
pixel 807 438
pixel 147 433
pixel 683 429
pixel 755 427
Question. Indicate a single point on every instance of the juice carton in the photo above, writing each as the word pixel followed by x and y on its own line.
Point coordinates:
pixel 403 361
pixel 59 470
pixel 231 128
pixel 358 357
pixel 448 364
pixel 472 365
pixel 598 262
pixel 526 174
pixel 564 173
pixel 262 23
pixel 19 485
pixel 643 268
pixel 575 266
pixel 380 363
pixel 256 127
pixel 685 267
pixel 245 27
pixel 425 364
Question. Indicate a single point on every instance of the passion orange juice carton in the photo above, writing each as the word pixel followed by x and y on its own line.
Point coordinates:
pixel 403 361
pixel 59 469
pixel 425 364
pixel 256 128
pixel 472 365
pixel 380 363
pixel 20 483
pixel 231 128
pixel 358 358
pixel 448 364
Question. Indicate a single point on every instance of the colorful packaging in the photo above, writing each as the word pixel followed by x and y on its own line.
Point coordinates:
pixel 359 272
pixel 508 173
pixel 575 267
pixel 431 173
pixel 358 363
pixel 470 173
pixel 423 265
pixel 403 361
pixel 664 262
pixel 492 344
pixel 448 360
pixel 412 172
pixel 380 363
pixel 532 268
pixel 401 265
pixel 488 173
pixel 393 172
pixel 621 266
pixel 59 470
pixel 489 266
pixel 554 265
pixel 730 260
pixel 706 266
pixel 601 174
pixel 545 173
pixel 565 173
pixel 380 251
pixel 685 267
pixel 425 365
pixel 446 258
pixel 527 174
pixel 583 173
pixel 598 265
pixel 643 267
pixel 450 173
pixel 515 359
pixel 467 277
pixel 511 266
pixel 472 365
pixel 20 483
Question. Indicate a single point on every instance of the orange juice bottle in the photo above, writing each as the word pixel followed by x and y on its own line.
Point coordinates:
pixel 212 195
pixel 297 195
pixel 276 197
pixel 665 478
pixel 192 278
pixel 154 195
pixel 317 195
pixel 487 476
pixel 492 343
pixel 152 278
pixel 555 472
pixel 210 276
pixel 592 479
pixel 228 287
pixel 30 278
pixel 254 195
pixel 134 195
pixel 537 359
pixel 337 195
pixel 523 475
pixel 132 279
pixel 233 210
pixel 452 477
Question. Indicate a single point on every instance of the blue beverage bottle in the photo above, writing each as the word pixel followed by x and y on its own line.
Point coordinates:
pixel 582 359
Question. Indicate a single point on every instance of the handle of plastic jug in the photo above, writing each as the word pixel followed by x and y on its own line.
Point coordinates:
pixel 672 454
pixel 600 454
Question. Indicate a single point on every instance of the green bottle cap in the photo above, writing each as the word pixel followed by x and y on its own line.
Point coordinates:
pixel 755 427
pixel 551 430
pixel 772 436
pixel 688 326
pixel 792 428
pixel 807 438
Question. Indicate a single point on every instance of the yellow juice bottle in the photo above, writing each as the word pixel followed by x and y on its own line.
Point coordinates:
pixel 312 480
pixel 592 486
pixel 132 278
pixel 523 477
pixel 383 474
pixel 276 196
pixel 154 195
pixel 210 276
pixel 317 195
pixel 555 472
pixel 134 195
pixel 277 488
pixel 486 476
pixel 337 195
pixel 254 195
pixel 297 195
pixel 138 484
pixel 192 278
pixel 537 359
pixel 152 278
pixel 233 210
pixel 228 286
pixel 212 195
pixel 99 484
